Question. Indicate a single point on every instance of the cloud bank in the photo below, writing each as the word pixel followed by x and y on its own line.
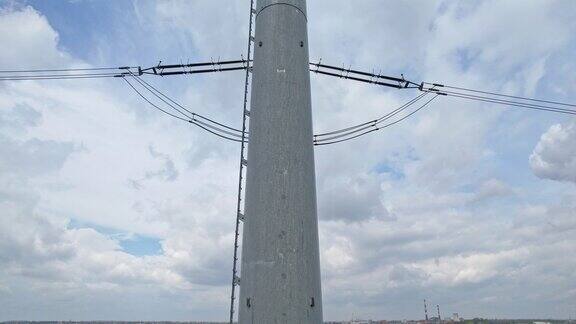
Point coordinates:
pixel 468 205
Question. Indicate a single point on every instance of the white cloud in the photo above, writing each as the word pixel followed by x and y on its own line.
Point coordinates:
pixel 434 207
pixel 554 157
pixel 25 33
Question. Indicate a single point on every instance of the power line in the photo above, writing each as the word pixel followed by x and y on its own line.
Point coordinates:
pixel 191 121
pixel 376 128
pixel 497 99
pixel 152 104
pixel 191 115
pixel 511 103
pixel 181 112
pixel 231 65
pixel 193 68
pixel 68 70
pixel 503 95
pixel 57 77
pixel 319 139
pixel 332 135
pixel 446 90
pixel 360 76
pixel 231 133
pixel 137 79
pixel 159 70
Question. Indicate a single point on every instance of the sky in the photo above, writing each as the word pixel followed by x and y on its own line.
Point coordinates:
pixel 112 210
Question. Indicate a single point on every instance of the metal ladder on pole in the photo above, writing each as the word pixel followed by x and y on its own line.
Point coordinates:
pixel 243 165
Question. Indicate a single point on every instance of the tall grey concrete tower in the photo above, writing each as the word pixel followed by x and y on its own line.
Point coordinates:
pixel 280 254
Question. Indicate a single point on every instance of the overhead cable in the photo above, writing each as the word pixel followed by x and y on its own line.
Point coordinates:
pixel 360 127
pixel 68 70
pixel 209 128
pixel 190 115
pixel 503 95
pixel 491 97
pixel 56 76
pixel 445 90
pixel 375 127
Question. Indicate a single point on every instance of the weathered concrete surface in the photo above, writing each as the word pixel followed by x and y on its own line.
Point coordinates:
pixel 280 274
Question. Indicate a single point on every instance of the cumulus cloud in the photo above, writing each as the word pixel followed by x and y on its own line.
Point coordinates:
pixel 27 31
pixel 351 199
pixel 554 157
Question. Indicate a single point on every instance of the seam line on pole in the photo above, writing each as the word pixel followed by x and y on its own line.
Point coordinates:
pixel 282 3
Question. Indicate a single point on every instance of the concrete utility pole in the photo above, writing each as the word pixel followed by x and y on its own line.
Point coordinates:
pixel 280 254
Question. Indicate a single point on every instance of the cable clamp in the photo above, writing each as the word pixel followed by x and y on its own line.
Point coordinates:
pixel 212 64
pixel 244 162
pixel 187 66
pixel 236 280
pixel 160 68
pixel 240 216
pixel 403 83
pixel 318 65
pixel 379 75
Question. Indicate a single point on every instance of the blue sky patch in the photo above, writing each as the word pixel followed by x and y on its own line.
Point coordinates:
pixel 395 174
pixel 137 245
pixel 141 245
